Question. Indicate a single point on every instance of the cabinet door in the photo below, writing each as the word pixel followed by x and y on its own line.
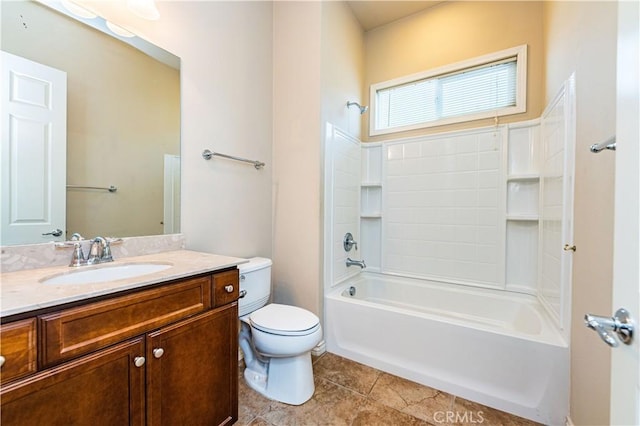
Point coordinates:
pixel 192 370
pixel 104 388
pixel 18 347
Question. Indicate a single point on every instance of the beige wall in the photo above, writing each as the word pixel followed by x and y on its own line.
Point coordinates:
pixel 318 63
pixel 342 67
pixel 581 37
pixel 226 72
pixel 452 32
pixel 296 153
pixel 123 115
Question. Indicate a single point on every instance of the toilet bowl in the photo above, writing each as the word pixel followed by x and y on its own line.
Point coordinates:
pixel 276 339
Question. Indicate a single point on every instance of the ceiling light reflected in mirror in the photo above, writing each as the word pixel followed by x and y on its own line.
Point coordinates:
pixel 117 29
pixel 78 10
pixel 145 9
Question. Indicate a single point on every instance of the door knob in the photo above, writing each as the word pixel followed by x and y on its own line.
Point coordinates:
pixel 228 288
pixel 620 323
pixel 158 352
pixel 55 232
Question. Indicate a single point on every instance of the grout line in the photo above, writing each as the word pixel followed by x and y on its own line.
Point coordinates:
pixel 452 403
pixel 373 385
pixel 342 386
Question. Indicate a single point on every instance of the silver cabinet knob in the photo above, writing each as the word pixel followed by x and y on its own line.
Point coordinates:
pixel 1 360
pixel 158 352
pixel 228 288
pixel 138 361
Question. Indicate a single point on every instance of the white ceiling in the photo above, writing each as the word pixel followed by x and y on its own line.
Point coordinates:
pixel 372 14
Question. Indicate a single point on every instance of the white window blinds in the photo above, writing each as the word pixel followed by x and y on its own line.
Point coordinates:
pixel 464 93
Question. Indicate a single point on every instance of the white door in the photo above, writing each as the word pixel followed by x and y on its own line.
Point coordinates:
pixel 625 359
pixel 34 154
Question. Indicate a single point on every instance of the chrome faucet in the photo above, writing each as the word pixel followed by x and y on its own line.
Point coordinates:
pixel 99 250
pixel 360 263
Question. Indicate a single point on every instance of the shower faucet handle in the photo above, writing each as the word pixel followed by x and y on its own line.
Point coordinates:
pixel 348 242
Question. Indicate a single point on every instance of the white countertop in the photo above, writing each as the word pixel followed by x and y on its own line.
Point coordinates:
pixel 24 291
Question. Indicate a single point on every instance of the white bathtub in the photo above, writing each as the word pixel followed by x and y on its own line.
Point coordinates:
pixel 488 346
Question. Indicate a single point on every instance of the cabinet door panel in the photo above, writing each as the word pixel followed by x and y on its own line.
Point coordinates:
pixel 77 331
pixel 195 381
pixel 104 388
pixel 18 341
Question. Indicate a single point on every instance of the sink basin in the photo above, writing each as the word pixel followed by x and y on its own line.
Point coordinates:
pixel 106 273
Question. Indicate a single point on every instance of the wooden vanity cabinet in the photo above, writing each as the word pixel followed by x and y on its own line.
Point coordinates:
pixel 182 369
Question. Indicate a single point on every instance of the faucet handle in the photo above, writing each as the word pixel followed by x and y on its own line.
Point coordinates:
pixel 107 256
pixel 106 252
pixel 77 259
pixel 348 242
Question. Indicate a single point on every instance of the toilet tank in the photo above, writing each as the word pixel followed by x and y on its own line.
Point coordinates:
pixel 255 279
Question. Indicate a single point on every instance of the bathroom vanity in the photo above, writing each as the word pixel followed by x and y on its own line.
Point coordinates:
pixel 156 349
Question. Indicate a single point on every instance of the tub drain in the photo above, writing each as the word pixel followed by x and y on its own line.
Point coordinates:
pixel 352 291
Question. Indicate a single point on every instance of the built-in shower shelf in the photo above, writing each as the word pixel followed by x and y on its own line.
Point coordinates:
pixel 370 200
pixel 523 177
pixel 528 218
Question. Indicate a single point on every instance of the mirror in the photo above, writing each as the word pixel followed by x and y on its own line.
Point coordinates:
pixel 122 122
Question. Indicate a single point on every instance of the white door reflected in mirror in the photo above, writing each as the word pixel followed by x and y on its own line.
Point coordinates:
pixel 34 140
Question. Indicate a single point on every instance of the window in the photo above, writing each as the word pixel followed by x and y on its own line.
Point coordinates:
pixel 489 86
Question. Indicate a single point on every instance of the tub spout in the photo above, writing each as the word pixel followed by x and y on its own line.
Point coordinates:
pixel 360 263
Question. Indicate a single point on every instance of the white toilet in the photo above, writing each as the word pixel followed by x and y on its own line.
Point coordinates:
pixel 276 339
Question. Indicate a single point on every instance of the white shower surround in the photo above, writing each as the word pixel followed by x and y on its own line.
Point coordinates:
pixel 437 337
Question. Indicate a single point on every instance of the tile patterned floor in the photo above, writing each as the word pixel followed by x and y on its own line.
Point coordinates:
pixel 351 394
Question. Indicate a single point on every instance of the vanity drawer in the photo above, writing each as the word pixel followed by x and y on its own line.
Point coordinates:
pixel 18 348
pixel 226 287
pixel 80 330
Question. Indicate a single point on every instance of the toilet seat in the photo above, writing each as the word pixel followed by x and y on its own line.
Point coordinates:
pixel 284 320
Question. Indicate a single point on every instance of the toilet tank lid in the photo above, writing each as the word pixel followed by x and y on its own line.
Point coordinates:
pixel 254 264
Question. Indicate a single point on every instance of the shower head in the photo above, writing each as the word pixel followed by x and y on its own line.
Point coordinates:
pixel 362 109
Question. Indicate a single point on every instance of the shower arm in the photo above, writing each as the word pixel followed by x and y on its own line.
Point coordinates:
pixel 362 109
